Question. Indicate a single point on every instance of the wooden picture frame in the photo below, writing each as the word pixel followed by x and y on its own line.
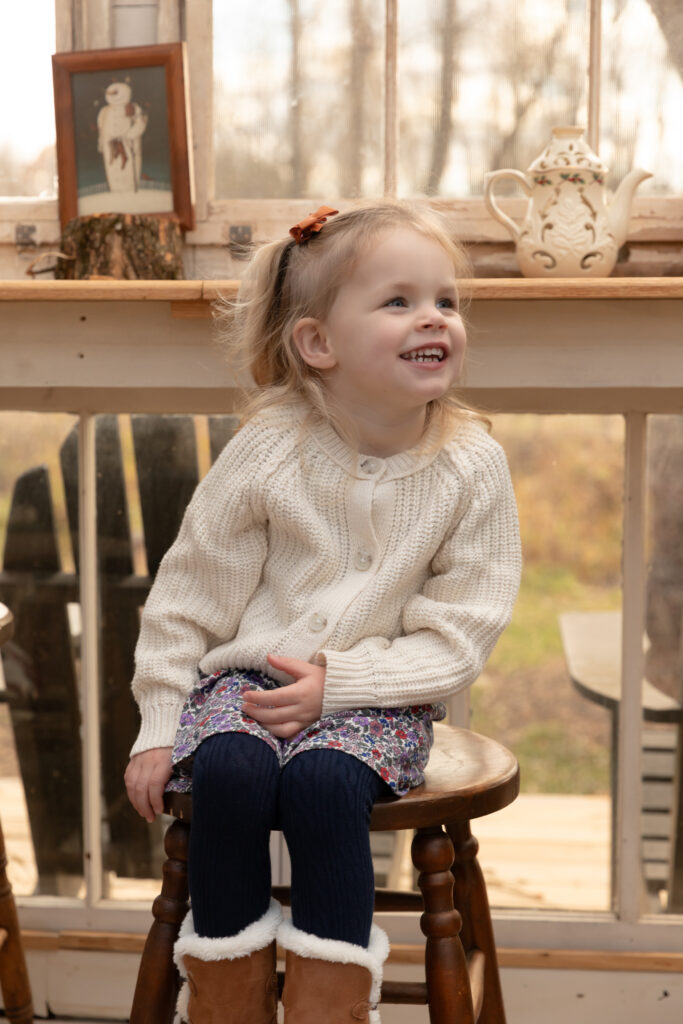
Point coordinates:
pixel 123 132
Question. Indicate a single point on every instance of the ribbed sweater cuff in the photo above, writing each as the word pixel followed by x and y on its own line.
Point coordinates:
pixel 349 680
pixel 159 725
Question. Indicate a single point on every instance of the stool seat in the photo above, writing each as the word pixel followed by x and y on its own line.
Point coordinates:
pixel 468 776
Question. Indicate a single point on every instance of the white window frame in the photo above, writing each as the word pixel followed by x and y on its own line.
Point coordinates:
pixel 653 218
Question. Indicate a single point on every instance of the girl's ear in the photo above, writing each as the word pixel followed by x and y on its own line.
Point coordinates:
pixel 312 344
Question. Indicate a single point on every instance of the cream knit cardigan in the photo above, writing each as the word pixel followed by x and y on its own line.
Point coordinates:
pixel 397 574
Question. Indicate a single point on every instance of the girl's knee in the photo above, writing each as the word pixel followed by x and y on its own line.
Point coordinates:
pixel 329 779
pixel 236 760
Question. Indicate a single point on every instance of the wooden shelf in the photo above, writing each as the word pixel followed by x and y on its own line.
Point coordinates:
pixel 204 292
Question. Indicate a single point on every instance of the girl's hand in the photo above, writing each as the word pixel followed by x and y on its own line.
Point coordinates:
pixel 146 776
pixel 288 710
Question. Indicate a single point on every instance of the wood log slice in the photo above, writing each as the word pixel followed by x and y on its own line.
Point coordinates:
pixel 121 246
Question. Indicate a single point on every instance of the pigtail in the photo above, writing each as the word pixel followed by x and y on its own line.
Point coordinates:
pixel 250 327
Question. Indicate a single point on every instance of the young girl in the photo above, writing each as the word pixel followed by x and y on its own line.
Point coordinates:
pixel 347 564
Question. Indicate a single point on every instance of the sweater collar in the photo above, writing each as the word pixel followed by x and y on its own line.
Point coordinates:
pixel 364 467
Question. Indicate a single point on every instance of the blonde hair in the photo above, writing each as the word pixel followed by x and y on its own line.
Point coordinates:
pixel 286 281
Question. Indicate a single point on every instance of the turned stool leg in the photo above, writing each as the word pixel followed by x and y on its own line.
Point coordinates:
pixel 472 901
pixel 16 991
pixel 156 990
pixel 448 985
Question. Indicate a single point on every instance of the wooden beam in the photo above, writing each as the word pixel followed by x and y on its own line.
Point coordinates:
pixel 193 296
pixel 529 959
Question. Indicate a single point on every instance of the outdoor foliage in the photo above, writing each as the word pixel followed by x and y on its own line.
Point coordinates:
pixel 567 472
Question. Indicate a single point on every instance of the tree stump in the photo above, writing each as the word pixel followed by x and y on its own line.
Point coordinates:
pixel 121 246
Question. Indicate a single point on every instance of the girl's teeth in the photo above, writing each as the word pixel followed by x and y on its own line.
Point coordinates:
pixel 425 355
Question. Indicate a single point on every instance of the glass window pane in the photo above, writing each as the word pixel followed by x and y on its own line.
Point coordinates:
pixel 662 806
pixel 551 848
pixel 40 759
pixel 481 85
pixel 297 100
pixel 27 154
pixel 642 92
pixel 147 470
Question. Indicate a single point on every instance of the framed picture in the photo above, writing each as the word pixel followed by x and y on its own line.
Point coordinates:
pixel 123 141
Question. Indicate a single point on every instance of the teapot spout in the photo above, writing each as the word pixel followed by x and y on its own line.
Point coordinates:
pixel 619 209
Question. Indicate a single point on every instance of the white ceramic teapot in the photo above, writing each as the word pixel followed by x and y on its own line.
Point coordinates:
pixel 570 228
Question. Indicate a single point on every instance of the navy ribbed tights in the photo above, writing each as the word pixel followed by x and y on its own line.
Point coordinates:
pixel 321 800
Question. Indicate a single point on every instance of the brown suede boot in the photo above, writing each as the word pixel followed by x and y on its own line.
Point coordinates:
pixel 229 980
pixel 331 982
pixel 241 991
pixel 317 991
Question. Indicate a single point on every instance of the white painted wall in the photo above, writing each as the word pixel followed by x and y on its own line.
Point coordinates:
pixel 100 985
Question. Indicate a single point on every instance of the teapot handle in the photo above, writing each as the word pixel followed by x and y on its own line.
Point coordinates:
pixel 492 205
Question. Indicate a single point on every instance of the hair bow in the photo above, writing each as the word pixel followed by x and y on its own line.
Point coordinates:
pixel 312 224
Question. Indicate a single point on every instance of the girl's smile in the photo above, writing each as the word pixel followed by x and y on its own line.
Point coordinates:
pixel 428 357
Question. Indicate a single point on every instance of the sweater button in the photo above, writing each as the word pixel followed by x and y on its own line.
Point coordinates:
pixel 363 560
pixel 317 622
pixel 371 466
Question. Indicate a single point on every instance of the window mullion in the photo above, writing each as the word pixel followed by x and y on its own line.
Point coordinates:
pixel 594 73
pixel 391 99
pixel 90 712
pixel 629 885
pixel 199 35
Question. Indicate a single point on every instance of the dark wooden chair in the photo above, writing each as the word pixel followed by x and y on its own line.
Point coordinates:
pixel 42 663
pixel 16 990
pixel 468 777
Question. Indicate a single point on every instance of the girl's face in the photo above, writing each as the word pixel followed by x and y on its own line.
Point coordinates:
pixel 393 340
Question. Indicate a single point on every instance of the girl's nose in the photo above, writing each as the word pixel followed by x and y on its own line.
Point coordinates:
pixel 432 319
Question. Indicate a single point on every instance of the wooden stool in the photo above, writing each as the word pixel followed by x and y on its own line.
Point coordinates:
pixel 16 991
pixel 468 776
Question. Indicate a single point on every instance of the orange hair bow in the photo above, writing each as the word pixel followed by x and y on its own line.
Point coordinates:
pixel 312 224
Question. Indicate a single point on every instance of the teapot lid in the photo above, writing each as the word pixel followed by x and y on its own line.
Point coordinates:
pixel 568 150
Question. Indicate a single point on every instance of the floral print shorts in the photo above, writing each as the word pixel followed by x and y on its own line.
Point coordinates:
pixel 394 742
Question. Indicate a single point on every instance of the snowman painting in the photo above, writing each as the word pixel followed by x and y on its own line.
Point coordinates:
pixel 123 145
pixel 120 127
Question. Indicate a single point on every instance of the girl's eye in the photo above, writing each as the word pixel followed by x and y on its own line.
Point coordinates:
pixel 447 304
pixel 398 300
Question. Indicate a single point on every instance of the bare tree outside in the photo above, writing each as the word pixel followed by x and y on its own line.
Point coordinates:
pixel 299 158
pixel 669 14
pixel 497 90
pixel 352 152
pixel 447 30
pixel 642 92
pixel 531 72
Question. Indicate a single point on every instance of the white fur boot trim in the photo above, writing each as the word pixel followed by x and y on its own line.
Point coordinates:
pixel 312 946
pixel 255 936
pixel 182 1003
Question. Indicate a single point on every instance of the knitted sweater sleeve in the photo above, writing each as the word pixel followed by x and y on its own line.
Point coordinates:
pixel 452 625
pixel 201 589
